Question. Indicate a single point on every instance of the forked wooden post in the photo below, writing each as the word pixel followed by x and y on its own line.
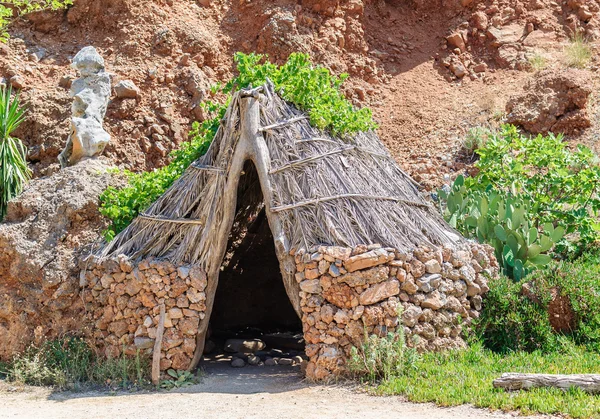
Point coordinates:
pixel 251 146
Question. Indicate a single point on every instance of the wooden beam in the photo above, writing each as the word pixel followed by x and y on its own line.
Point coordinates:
pixel 515 381
pixel 158 346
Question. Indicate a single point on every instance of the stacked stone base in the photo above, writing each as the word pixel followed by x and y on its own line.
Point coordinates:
pixel 346 293
pixel 123 303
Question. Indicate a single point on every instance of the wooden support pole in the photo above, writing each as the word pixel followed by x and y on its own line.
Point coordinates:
pixel 158 346
pixel 515 381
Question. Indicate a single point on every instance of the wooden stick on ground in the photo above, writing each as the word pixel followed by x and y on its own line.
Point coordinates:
pixel 516 381
pixel 158 346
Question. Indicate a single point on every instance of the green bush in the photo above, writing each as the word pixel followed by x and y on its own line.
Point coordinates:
pixel 562 186
pixel 70 363
pixel 14 172
pixel 528 195
pixel 311 88
pixel 579 280
pixel 11 9
pixel 512 321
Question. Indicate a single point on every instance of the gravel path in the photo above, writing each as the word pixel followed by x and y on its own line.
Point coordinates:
pixel 251 392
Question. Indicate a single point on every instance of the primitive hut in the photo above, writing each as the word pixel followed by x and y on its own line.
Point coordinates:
pixel 353 237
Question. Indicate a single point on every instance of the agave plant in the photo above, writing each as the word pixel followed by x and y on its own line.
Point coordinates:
pixel 14 172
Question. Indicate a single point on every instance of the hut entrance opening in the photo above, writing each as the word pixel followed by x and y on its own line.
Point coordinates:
pixel 251 302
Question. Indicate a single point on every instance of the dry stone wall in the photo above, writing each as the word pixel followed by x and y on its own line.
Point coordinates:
pixel 346 292
pixel 124 299
pixel 432 293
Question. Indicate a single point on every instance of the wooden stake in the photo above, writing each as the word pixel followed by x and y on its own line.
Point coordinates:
pixel 515 381
pixel 158 346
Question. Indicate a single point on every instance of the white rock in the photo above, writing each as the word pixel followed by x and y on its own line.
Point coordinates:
pixel 91 93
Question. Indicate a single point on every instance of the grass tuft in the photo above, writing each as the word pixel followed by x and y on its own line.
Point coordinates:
pixel 538 62
pixel 578 52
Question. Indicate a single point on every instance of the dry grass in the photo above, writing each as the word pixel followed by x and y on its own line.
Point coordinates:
pixel 578 53
pixel 538 62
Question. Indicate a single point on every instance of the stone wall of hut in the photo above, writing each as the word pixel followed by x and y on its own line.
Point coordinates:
pixel 123 306
pixel 344 292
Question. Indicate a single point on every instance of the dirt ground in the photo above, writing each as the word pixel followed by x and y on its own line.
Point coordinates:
pixel 251 392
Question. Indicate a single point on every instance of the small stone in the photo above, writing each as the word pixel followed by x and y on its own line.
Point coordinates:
pixel 435 301
pixel 175 313
pixel 238 363
pixel 244 346
pixel 143 343
pixel 253 360
pixel 311 286
pixel 456 41
pixel 286 361
pixel 126 89
pixel 433 267
pixel 334 271
pixel 270 362
pixel 183 272
pixel 17 82
pixel 411 315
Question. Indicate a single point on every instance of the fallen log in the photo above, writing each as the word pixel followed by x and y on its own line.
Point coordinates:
pixel 515 381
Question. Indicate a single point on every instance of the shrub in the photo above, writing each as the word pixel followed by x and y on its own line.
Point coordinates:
pixel 551 187
pixel 538 62
pixel 511 322
pixel 70 363
pixel 14 172
pixel 579 280
pixel 10 9
pixel 311 88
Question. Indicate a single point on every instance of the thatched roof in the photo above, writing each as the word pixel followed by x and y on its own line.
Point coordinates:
pixel 324 190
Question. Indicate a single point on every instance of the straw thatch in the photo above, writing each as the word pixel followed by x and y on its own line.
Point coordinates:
pixel 319 189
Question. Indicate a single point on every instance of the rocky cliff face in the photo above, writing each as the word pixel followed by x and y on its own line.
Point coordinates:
pixel 46 228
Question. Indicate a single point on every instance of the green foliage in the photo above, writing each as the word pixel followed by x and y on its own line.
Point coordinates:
pixel 381 357
pixel 121 206
pixel 529 194
pixel 465 377
pixel 70 363
pixel 579 280
pixel 178 379
pixel 311 88
pixel 511 322
pixel 563 186
pixel 475 139
pixel 11 9
pixel 504 221
pixel 14 172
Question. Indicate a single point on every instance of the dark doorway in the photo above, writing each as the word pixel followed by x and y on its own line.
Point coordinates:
pixel 251 303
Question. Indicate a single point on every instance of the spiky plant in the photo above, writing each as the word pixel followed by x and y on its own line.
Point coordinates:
pixel 14 172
